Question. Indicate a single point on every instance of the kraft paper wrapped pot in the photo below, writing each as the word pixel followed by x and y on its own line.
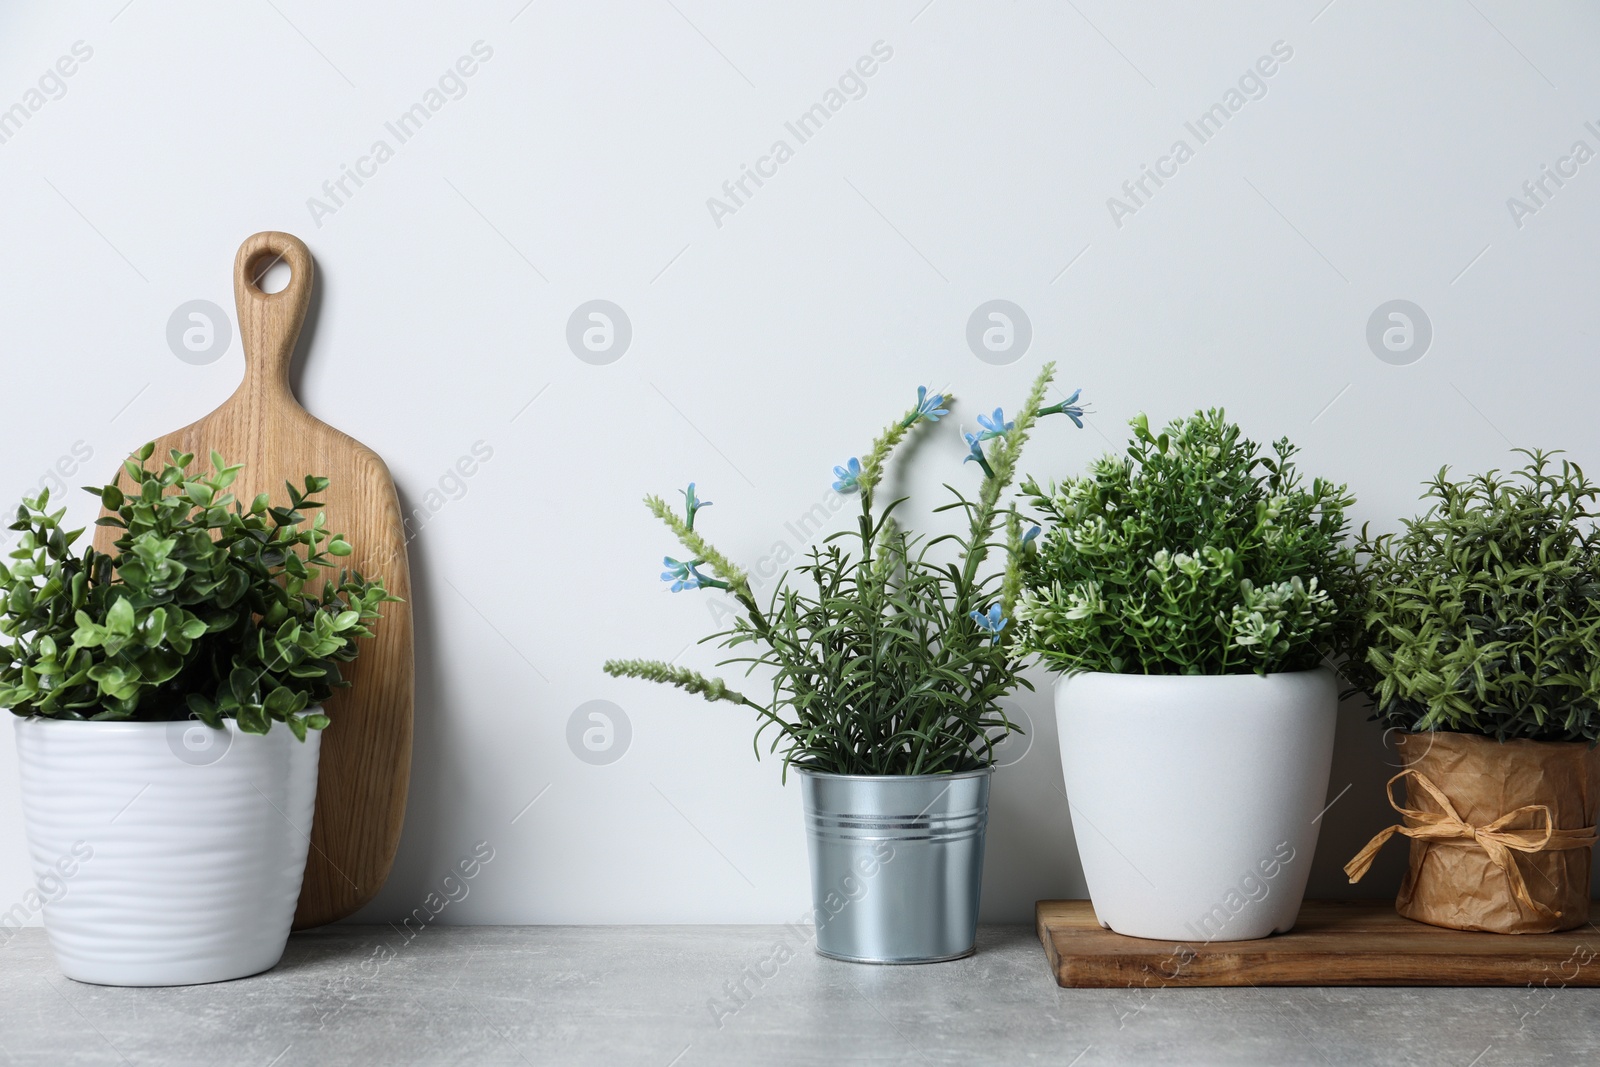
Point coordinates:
pixel 1501 832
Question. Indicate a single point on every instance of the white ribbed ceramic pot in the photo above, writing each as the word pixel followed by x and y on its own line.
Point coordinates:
pixel 186 845
pixel 1195 800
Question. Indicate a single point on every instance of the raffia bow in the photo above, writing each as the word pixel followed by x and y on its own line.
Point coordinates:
pixel 1447 827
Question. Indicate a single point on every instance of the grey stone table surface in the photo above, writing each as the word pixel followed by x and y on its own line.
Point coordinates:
pixel 678 996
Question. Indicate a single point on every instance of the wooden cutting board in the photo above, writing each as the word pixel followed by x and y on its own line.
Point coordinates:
pixel 366 751
pixel 1333 943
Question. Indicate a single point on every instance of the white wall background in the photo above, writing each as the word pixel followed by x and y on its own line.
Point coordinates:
pixel 976 166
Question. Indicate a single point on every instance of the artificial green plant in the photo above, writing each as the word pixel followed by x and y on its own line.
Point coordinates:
pixel 1483 614
pixel 1194 553
pixel 206 607
pixel 887 657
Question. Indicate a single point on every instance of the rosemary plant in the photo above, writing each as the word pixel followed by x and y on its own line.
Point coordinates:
pixel 891 653
pixel 1483 614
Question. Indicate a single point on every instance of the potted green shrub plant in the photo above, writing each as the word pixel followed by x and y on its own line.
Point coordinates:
pixel 1189 592
pixel 147 682
pixel 1482 650
pixel 886 662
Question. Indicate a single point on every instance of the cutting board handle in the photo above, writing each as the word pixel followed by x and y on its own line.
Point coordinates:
pixel 269 323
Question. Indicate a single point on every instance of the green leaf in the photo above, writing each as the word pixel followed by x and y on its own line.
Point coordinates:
pixel 252 720
pixel 281 701
pixel 242 684
pixel 120 619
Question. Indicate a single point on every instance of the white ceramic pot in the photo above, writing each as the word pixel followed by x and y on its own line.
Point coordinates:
pixel 166 853
pixel 1195 800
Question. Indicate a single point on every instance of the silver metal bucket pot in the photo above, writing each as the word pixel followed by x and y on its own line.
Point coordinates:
pixel 896 863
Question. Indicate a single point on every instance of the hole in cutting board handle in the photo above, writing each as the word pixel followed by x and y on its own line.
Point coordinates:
pixel 270 273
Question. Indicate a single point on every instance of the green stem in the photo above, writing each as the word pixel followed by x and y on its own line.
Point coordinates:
pixel 873 462
pixel 1008 450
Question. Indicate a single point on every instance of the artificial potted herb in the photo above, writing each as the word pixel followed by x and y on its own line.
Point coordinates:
pixel 1482 649
pixel 147 682
pixel 1188 592
pixel 887 660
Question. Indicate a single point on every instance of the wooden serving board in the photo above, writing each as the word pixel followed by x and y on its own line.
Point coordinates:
pixel 366 751
pixel 1334 943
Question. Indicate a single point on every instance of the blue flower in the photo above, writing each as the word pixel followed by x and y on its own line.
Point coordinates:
pixel 995 426
pixel 975 453
pixel 929 407
pixel 849 476
pixel 1031 534
pixel 1070 408
pixel 692 504
pixel 991 622
pixel 681 575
